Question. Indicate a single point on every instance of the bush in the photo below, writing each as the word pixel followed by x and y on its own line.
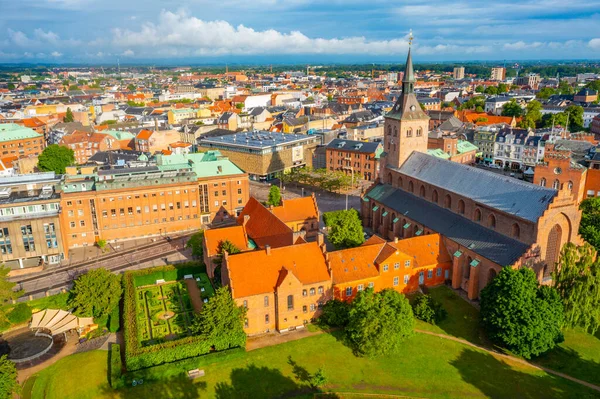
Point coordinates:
pixel 113 320
pixel 428 309
pixel 167 273
pixel 335 313
pixel 20 314
pixel 116 366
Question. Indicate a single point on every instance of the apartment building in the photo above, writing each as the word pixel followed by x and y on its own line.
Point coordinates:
pixel 357 157
pixel 459 73
pixel 498 73
pixel 85 144
pixel 31 234
pixel 19 141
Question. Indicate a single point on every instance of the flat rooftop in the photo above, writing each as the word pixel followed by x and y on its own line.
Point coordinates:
pixel 257 139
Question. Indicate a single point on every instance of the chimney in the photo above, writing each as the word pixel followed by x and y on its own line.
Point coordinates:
pixel 320 238
pixel 246 218
pixel 268 249
pixel 395 240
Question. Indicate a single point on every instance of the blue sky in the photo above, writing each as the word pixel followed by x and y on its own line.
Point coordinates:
pixel 180 31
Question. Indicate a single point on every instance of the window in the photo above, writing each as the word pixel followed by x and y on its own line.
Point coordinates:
pixel 82 223
pixel 477 215
pixel 429 273
pixel 419 132
pixel 411 186
pixel 448 201
pixel 434 196
pixel 422 191
pixel 266 301
pixel 104 214
pixel 396 266
pixel 516 230
pixel 72 224
pixel 348 291
pixel 290 302
pixel 245 323
pixel 407 263
pixel 304 309
pixel 543 182
pixel 267 318
pixel 556 184
pixel 360 287
pixel 371 284
pixel 246 304
pixel 461 207
pixel 570 185
pixel 396 281
pixel 28 241
pixel 406 278
pixel 312 291
pixel 492 221
pixel 409 132
pixel 5 244
pixel 320 290
pixel 438 271
pixel 385 268
pixel 239 191
pixel 304 293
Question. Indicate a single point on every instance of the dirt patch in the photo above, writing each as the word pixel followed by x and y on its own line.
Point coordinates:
pixel 194 292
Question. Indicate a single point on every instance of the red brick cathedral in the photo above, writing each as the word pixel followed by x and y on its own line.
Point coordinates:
pixel 487 221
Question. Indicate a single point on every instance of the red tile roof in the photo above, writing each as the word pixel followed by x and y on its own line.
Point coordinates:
pixel 256 272
pixel 425 250
pixel 354 263
pixel 235 234
pixel 297 209
pixel 264 227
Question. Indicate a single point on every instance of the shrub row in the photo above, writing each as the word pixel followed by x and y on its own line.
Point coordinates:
pixel 116 366
pixel 179 368
pixel 139 357
pixel 167 273
pixel 113 320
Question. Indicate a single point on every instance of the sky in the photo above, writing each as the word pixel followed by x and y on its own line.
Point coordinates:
pixel 282 31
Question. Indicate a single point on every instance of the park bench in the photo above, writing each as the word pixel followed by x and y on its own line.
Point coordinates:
pixel 195 373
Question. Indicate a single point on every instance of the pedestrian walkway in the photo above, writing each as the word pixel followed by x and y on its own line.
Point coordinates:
pixel 276 338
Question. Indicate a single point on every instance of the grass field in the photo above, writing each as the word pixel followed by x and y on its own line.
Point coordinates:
pixel 426 366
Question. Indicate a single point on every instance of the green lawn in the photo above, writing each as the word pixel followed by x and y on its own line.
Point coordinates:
pixel 578 356
pixel 426 366
pixel 462 320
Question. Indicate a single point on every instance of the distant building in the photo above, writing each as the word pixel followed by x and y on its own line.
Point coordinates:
pixel 532 80
pixel 85 144
pixel 498 73
pixel 509 147
pixel 19 141
pixel 459 73
pixel 586 96
pixel 493 105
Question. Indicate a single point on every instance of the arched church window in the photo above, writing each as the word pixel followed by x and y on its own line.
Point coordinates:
pixel 543 182
pixel 556 184
pixel 409 132
pixel 419 132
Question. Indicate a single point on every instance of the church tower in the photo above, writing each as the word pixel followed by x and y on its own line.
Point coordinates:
pixel 406 125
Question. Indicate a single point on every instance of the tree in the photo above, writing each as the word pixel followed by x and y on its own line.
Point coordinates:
pixel 502 88
pixel 520 315
pixel 427 309
pixel 318 379
pixel 345 230
pixel 589 228
pixel 479 89
pixel 335 313
pixel 533 114
pixel 221 322
pixel 379 322
pixel 274 196
pixel 95 293
pixel 512 108
pixel 575 118
pixel 69 115
pixel 545 93
pixel 565 88
pixel 56 158
pixel 491 90
pixel 9 385
pixel 11 86
pixel 131 87
pixel 594 85
pixel 195 243
pixel 7 292
pixel 577 279
pixel 224 246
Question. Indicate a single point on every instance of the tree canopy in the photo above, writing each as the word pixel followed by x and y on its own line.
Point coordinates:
pixel 69 115
pixel 8 379
pixel 589 228
pixel 379 322
pixel 56 158
pixel 512 108
pixel 577 279
pixel 533 114
pixel 491 90
pixel 545 92
pixel 195 243
pixel 274 196
pixel 345 228
pixel 520 315
pixel 95 293
pixel 221 322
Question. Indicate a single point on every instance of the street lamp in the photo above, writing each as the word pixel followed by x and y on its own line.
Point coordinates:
pixel 351 184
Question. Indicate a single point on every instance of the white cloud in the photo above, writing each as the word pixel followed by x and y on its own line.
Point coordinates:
pixel 595 43
pixel 56 54
pixel 521 45
pixel 128 53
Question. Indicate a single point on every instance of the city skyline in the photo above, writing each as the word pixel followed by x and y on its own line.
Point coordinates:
pixel 198 31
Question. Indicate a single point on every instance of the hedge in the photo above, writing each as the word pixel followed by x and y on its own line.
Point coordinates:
pixel 139 357
pixel 116 366
pixel 113 320
pixel 179 368
pixel 167 273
